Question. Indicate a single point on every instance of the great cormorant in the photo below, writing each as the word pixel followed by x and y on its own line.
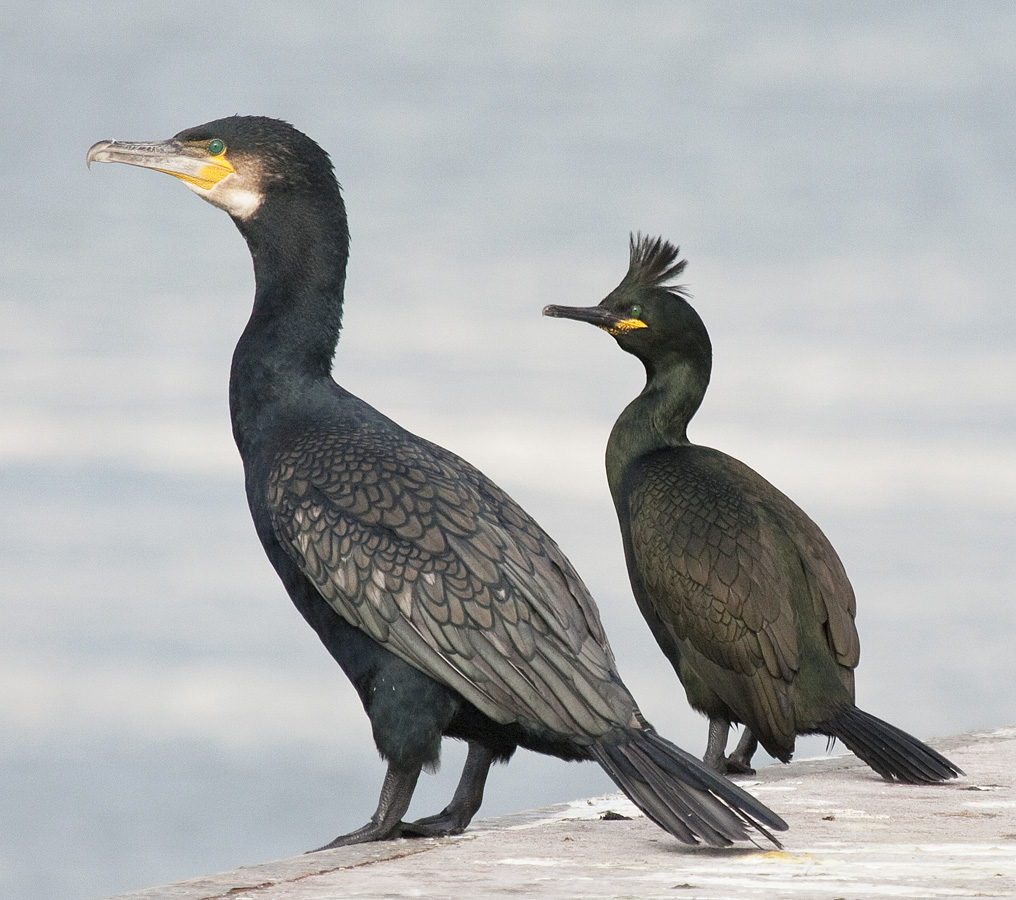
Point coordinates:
pixel 446 605
pixel 743 592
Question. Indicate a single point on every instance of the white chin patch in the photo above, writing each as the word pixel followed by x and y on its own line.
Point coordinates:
pixel 239 201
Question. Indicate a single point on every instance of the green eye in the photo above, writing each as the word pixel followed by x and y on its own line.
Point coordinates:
pixel 216 147
pixel 636 311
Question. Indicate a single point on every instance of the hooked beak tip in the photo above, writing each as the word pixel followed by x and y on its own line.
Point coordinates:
pixel 95 151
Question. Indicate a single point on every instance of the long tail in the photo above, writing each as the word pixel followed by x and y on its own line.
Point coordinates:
pixel 894 754
pixel 680 794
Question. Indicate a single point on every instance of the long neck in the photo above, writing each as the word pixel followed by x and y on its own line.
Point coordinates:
pixel 656 418
pixel 299 247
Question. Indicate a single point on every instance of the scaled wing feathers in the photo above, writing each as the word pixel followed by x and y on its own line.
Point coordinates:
pixel 729 555
pixel 422 552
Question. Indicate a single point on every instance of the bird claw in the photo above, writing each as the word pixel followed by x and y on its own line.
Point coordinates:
pixel 367 834
pixel 441 825
pixel 734 766
pixel 444 824
pixel 728 765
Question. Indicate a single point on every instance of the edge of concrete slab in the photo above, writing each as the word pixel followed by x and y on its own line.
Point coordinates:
pixel 290 871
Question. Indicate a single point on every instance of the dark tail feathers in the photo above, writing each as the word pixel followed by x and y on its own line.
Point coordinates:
pixel 680 794
pixel 894 754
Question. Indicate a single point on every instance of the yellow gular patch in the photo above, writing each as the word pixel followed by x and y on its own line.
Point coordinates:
pixel 210 174
pixel 624 326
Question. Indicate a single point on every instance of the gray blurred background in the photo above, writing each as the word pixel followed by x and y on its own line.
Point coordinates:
pixel 841 178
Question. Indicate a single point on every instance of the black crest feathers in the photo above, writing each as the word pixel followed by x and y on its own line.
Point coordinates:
pixel 652 263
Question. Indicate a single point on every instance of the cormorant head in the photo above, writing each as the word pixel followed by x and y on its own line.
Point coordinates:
pixel 648 317
pixel 233 163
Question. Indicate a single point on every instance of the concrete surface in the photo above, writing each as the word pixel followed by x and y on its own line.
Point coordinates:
pixel 851 835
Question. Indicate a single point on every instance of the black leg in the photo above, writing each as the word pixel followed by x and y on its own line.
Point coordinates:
pixel 718 730
pixel 386 823
pixel 739 762
pixel 454 818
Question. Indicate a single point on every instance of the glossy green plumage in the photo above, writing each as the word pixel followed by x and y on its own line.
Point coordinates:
pixel 743 592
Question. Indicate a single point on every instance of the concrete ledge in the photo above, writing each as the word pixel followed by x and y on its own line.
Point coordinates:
pixel 851 835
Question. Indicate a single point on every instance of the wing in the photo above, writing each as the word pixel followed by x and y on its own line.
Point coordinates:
pixel 417 548
pixel 726 557
pixel 716 575
pixel 832 596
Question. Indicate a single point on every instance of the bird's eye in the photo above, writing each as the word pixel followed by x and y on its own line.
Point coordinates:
pixel 636 311
pixel 216 147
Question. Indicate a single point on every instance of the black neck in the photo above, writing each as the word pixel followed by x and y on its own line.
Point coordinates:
pixel 656 418
pixel 299 246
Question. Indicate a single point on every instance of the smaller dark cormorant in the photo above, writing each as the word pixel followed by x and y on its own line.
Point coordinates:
pixel 743 592
pixel 449 609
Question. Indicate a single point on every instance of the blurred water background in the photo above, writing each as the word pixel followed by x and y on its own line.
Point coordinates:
pixel 841 177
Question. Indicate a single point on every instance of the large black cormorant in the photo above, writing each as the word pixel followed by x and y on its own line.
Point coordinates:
pixel 743 592
pixel 446 605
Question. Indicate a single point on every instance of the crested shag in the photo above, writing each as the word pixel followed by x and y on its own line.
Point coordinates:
pixel 743 592
pixel 449 609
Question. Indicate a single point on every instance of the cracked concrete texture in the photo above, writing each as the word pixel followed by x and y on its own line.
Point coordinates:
pixel 851 835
